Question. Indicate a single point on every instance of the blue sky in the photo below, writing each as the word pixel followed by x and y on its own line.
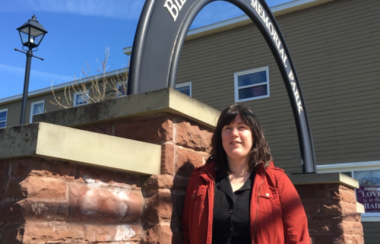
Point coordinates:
pixel 78 31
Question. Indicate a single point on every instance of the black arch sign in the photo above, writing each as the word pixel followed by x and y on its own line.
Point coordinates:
pixel 161 33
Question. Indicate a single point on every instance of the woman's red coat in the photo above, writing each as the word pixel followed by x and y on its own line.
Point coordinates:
pixel 277 214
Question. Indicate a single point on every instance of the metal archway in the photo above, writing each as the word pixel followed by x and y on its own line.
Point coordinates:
pixel 159 39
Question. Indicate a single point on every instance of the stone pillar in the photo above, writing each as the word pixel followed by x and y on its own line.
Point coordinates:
pixel 50 198
pixel 331 207
pixel 185 145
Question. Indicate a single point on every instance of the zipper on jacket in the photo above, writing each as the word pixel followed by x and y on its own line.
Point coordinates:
pixel 257 207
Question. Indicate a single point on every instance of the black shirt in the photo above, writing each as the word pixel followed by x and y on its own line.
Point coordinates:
pixel 231 212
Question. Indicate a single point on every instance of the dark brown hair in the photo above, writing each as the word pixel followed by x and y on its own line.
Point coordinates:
pixel 260 151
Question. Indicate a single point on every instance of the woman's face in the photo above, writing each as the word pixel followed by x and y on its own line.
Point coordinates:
pixel 237 139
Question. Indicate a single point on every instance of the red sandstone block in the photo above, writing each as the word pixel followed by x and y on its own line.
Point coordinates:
pixel 346 188
pixel 348 208
pixel 106 129
pixel 352 217
pixel 93 204
pixel 176 232
pixel 325 239
pixel 53 232
pixel 350 228
pixel 206 155
pixel 353 239
pixel 24 167
pixel 108 178
pixel 4 177
pixel 112 233
pixel 324 218
pixel 322 227
pixel 187 160
pixel 332 209
pixel 344 196
pixel 316 191
pixel 10 211
pixel 35 209
pixel 159 181
pixel 178 202
pixel 192 136
pixel 62 211
pixel 158 205
pixel 158 234
pixel 149 129
pixel 167 158
pixel 312 240
pixel 312 207
pixel 14 191
pixel 180 182
pixel 47 188
pixel 12 234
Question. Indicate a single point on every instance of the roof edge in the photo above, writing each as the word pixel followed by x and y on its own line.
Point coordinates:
pixel 232 23
pixel 59 86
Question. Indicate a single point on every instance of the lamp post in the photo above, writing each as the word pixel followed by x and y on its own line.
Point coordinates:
pixel 31 34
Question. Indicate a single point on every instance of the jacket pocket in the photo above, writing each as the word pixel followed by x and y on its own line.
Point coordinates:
pixel 198 199
pixel 268 201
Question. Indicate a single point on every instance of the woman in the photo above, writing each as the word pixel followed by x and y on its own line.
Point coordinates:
pixel 238 196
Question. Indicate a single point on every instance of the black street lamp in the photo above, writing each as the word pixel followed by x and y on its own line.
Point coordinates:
pixel 31 34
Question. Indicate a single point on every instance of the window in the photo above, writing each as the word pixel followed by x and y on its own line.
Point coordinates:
pixel 368 176
pixel 36 108
pixel 251 84
pixel 185 88
pixel 121 89
pixel 3 117
pixel 81 98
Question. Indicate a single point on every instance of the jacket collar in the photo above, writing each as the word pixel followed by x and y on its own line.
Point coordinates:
pixel 208 169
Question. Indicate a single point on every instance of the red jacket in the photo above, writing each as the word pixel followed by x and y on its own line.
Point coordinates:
pixel 277 214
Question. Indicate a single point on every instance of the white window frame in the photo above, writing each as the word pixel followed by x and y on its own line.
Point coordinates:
pixel 6 118
pixel 31 109
pixel 76 94
pixel 352 167
pixel 236 88
pixel 186 84
pixel 118 94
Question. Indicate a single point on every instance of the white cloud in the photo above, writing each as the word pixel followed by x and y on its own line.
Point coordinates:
pixel 11 71
pixel 123 9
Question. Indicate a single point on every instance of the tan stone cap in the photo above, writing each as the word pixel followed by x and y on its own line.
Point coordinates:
pixel 162 100
pixel 68 144
pixel 360 208
pixel 326 178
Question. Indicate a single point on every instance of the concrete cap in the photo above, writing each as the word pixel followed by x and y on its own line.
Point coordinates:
pixel 327 178
pixel 163 100
pixel 73 145
pixel 360 208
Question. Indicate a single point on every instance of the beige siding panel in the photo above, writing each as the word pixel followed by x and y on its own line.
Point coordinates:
pixel 336 54
pixel 371 232
pixel 14 107
pixel 14 113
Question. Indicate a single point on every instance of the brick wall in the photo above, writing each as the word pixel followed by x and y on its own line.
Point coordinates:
pixel 51 201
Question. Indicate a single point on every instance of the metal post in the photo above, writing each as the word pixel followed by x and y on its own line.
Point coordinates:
pixel 29 55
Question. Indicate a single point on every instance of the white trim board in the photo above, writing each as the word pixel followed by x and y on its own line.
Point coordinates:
pixel 341 167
